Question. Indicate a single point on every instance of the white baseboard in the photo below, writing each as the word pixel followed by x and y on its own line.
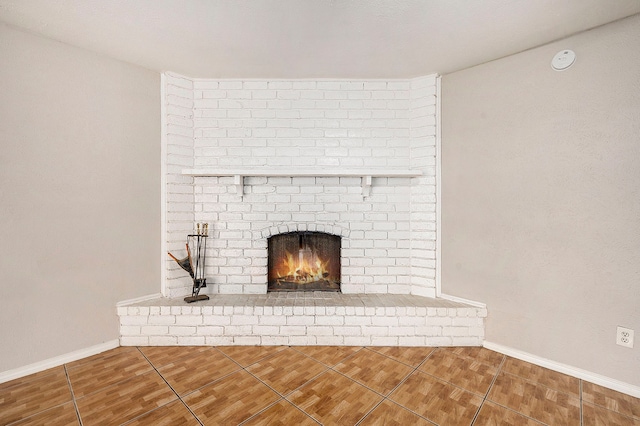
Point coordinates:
pixel 598 379
pixel 461 300
pixel 37 367
pixel 139 299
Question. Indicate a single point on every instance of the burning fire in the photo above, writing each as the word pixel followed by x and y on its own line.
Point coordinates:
pixel 306 267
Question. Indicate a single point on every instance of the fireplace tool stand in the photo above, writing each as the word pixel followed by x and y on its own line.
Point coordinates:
pixel 194 264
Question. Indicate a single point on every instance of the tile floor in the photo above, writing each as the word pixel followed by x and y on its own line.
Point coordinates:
pixel 309 385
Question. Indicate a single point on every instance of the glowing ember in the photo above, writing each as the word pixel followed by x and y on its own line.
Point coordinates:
pixel 306 267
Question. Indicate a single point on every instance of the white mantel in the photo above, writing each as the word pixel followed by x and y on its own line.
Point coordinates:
pixel 365 173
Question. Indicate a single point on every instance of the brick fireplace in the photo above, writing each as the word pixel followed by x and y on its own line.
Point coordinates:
pixel 257 159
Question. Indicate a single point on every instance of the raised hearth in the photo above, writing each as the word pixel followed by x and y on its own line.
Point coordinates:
pixel 303 318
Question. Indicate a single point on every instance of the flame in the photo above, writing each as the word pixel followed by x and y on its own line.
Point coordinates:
pixel 306 267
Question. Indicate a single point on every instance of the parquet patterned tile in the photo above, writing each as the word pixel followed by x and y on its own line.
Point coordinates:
pixel 328 355
pixel 544 376
pixel 436 400
pixel 94 373
pixel 61 415
pixel 23 397
pixel 230 400
pixel 287 370
pixel 391 414
pixel 471 375
pixel 535 400
pixel 281 414
pixel 494 414
pixel 412 356
pixel 173 414
pixel 480 354
pixel 125 400
pixel 247 355
pixel 187 374
pixel 160 356
pixel 374 370
pixel 308 385
pixel 593 415
pixel 333 399
pixel 610 399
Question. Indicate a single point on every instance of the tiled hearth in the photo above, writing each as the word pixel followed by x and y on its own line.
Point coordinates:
pixel 303 318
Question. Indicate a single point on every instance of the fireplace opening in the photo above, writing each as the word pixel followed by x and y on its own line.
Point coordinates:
pixel 304 261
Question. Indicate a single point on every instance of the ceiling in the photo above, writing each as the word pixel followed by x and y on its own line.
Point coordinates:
pixel 310 38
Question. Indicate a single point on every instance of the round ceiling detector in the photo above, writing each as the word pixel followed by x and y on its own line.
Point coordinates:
pixel 563 60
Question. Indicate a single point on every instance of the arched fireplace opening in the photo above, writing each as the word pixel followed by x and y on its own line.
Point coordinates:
pixel 304 261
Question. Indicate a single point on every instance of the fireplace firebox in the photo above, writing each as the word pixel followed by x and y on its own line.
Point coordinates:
pixel 304 261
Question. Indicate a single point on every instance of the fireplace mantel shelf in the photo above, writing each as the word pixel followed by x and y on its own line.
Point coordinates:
pixel 365 173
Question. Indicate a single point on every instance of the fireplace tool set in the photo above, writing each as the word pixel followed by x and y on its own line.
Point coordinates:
pixel 194 263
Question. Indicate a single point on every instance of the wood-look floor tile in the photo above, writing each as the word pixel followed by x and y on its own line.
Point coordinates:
pixel 99 371
pixel 173 414
pixel 494 414
pixel 333 399
pixel 409 355
pixel 392 414
pixel 281 414
pixel 328 355
pixel 26 396
pixel 374 370
pixel 544 376
pixel 535 400
pixel 610 399
pixel 436 400
pixel 162 355
pixel 125 400
pixel 287 370
pixel 231 400
pixel 187 374
pixel 61 415
pixel 471 375
pixel 593 415
pixel 478 353
pixel 247 355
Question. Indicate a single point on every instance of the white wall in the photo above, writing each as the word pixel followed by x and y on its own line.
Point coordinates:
pixel 541 198
pixel 79 195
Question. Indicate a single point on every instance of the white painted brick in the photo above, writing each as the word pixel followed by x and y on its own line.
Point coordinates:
pixel 191 340
pixel 182 330
pixel 163 340
pixel 333 320
pixel 157 330
pixel 244 320
pixel 303 340
pixel 133 320
pixel 300 320
pixel 320 330
pixel 247 340
pixel 130 330
pixel 412 341
pixel 209 330
pixel 292 330
pixel 274 340
pixel 134 341
pixel 188 320
pixel 385 341
pixel 219 340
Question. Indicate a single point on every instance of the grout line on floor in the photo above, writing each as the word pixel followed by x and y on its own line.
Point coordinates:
pixel 581 402
pixel 170 387
pixel 73 395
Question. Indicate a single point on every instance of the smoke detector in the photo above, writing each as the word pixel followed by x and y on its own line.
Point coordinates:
pixel 563 60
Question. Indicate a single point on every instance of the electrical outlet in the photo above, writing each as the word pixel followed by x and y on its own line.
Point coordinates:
pixel 624 337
